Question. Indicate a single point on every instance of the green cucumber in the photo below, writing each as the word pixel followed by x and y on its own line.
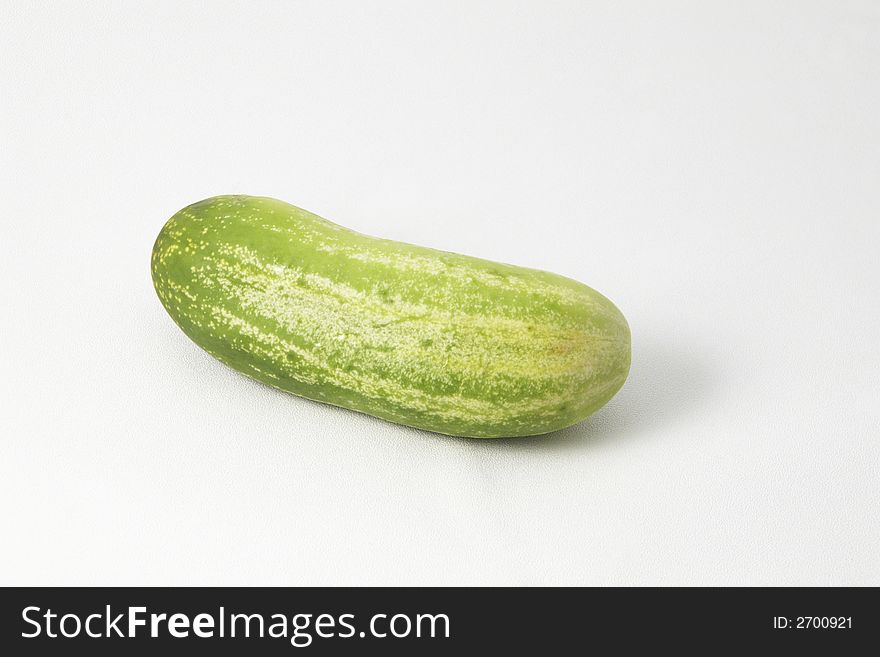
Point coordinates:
pixel 429 339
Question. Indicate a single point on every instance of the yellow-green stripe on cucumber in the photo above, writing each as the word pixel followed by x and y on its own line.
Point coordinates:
pixel 429 339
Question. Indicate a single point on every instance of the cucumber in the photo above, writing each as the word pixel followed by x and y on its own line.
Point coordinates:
pixel 425 338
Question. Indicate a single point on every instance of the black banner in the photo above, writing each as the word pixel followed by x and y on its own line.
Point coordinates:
pixel 431 621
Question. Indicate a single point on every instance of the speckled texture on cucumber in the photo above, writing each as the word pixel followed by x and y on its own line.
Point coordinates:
pixel 429 339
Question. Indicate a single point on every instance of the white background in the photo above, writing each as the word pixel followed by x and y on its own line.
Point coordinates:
pixel 711 167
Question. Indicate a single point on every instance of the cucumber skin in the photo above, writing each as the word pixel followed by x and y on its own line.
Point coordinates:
pixel 425 338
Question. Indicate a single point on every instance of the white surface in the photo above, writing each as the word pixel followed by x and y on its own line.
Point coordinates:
pixel 711 167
